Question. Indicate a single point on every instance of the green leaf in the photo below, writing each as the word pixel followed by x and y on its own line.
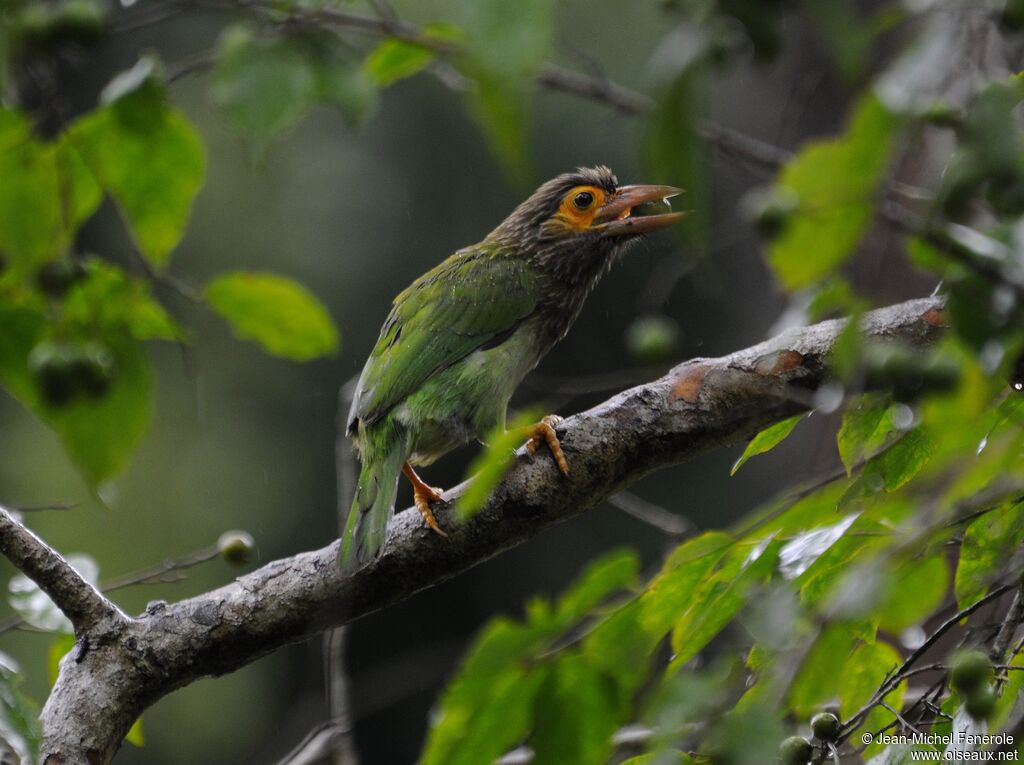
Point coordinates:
pixel 817 681
pixel 136 736
pixel 864 431
pixel 98 434
pixel 149 159
pixel 493 463
pixel 575 714
pixel 109 299
pixel 870 533
pixel 19 717
pixel 263 84
pixel 835 181
pixel 915 588
pixel 894 467
pixel 393 60
pixel 860 678
pixel 621 647
pixel 671 592
pixel 802 551
pixel 721 597
pixel 767 440
pixel 487 707
pixel 31 225
pixel 505 45
pixel 80 192
pixel 661 758
pixel 615 571
pixel 989 544
pixel 277 312
pixel 267 83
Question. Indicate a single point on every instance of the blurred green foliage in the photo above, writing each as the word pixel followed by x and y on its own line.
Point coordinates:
pixel 818 598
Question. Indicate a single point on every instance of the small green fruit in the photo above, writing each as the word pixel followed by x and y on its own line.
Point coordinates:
pixel 969 671
pixel 942 114
pixel 770 209
pixel 57 277
pixel 980 704
pixel 66 370
pixel 652 339
pixel 236 547
pixel 51 366
pixel 795 750
pixel 825 726
pixel 79 21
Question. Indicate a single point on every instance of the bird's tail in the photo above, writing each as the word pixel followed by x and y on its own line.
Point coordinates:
pixel 372 508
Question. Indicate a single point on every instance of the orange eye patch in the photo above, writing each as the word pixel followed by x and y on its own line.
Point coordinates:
pixel 580 205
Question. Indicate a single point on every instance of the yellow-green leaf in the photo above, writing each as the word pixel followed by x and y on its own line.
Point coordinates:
pixel 767 440
pixel 494 462
pixel 989 543
pixel 393 60
pixel 835 182
pixel 863 432
pixel 149 159
pixel 277 312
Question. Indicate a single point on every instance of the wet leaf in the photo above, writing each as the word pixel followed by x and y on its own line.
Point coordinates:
pixel 276 312
pixel 721 597
pixel 988 545
pixel 864 431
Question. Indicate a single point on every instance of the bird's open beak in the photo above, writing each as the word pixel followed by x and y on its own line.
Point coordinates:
pixel 637 210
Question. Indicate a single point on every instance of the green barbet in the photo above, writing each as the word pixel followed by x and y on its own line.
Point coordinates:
pixel 460 339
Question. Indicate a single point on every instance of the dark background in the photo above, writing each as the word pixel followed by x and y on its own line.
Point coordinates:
pixel 243 440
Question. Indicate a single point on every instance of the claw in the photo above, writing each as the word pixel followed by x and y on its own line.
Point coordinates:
pixel 544 432
pixel 422 496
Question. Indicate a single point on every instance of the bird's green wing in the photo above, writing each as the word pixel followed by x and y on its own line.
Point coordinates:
pixel 474 299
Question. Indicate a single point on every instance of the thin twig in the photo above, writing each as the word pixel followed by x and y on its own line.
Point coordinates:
pixel 1014 616
pixel 43 507
pixel 160 572
pixel 898 676
pixel 665 521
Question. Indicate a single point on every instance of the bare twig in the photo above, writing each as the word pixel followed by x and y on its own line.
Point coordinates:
pixel 43 507
pixel 665 521
pixel 166 571
pixel 1014 617
pixel 895 678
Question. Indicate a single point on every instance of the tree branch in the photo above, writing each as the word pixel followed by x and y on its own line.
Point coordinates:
pixel 80 602
pixel 698 406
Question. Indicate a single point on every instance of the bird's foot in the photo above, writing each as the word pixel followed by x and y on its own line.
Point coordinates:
pixel 422 496
pixel 544 433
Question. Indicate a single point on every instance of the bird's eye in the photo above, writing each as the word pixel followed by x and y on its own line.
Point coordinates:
pixel 583 200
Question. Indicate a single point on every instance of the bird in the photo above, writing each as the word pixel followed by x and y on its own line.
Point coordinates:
pixel 459 340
